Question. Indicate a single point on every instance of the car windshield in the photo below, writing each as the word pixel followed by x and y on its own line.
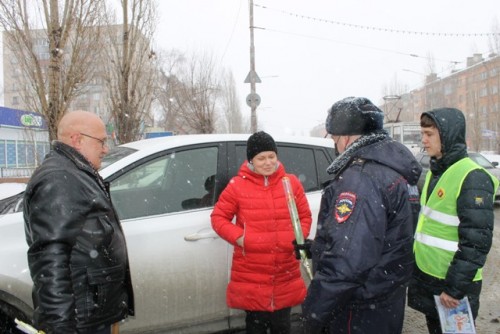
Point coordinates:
pixel 115 154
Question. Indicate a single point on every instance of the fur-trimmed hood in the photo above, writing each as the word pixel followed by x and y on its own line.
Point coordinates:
pixel 381 148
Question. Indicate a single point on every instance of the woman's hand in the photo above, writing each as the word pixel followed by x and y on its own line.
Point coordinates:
pixel 239 241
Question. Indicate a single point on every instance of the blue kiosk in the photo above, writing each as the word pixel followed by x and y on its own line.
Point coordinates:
pixel 24 139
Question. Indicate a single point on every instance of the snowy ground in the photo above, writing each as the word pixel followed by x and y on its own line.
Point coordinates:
pixel 488 320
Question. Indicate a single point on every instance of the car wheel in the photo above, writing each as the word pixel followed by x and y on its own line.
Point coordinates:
pixel 7 316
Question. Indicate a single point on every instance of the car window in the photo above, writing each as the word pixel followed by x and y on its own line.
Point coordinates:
pixel 425 161
pixel 146 176
pixel 322 163
pixel 307 163
pixel 115 154
pixel 173 182
pixel 301 162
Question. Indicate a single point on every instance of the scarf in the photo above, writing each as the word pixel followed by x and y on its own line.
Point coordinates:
pixel 343 160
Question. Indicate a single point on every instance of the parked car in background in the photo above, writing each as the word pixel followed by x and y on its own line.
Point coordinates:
pixel 493 157
pixel 164 190
pixel 424 160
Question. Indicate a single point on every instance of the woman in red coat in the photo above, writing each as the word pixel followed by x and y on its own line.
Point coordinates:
pixel 266 279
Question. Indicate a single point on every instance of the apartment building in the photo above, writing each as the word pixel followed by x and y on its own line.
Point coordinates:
pixel 473 89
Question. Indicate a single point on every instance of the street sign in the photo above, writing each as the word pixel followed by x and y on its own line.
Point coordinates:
pixel 252 77
pixel 253 99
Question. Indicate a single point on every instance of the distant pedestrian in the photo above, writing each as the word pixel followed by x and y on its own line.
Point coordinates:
pixel 362 252
pixel 455 227
pixel 77 254
pixel 265 279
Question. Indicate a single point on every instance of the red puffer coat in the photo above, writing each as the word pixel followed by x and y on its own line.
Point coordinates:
pixel 265 275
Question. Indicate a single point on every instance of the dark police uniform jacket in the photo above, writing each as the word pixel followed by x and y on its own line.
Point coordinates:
pixel 362 253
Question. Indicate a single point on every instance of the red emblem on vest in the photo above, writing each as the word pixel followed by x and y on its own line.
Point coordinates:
pixel 440 193
pixel 344 206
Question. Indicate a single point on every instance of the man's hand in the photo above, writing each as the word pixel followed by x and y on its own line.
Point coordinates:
pixel 448 301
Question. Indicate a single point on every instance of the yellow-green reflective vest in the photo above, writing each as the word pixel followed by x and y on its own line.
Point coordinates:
pixel 436 237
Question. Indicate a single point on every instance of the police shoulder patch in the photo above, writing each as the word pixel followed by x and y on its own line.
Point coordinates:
pixel 344 206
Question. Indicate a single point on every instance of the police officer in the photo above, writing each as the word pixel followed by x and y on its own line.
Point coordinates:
pixel 454 231
pixel 362 252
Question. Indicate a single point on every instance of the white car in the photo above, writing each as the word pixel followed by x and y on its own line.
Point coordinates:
pixel 180 267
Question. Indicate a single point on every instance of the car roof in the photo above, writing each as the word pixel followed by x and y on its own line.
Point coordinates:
pixel 150 146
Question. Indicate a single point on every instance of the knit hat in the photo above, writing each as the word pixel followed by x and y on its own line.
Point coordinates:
pixel 260 142
pixel 354 116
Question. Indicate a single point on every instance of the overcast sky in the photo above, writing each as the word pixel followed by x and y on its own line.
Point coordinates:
pixel 312 53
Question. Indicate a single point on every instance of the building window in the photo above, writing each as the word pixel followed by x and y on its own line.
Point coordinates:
pixel 15 100
pixel 11 153
pixel 448 89
pixel 2 153
pixel 483 92
pixel 21 154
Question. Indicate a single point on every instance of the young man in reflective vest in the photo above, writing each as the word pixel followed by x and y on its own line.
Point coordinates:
pixel 455 226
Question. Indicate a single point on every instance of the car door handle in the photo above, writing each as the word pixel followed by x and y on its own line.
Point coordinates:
pixel 198 236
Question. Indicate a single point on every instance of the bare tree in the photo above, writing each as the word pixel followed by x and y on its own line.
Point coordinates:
pixel 392 107
pixel 166 90
pixel 232 117
pixel 131 75
pixel 197 94
pixel 430 66
pixel 494 39
pixel 52 80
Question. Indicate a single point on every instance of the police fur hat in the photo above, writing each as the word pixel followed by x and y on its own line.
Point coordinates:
pixel 354 116
pixel 260 142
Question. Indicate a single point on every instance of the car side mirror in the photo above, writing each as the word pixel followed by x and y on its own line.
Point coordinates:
pixel 494 163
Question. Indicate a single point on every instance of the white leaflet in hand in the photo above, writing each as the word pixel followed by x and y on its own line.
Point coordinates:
pixel 458 320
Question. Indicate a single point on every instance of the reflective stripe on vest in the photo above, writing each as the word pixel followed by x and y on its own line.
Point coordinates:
pixel 436 237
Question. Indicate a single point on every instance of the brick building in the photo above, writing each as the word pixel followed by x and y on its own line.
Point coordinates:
pixel 474 90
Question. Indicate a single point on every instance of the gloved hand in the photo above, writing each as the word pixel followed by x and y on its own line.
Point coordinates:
pixel 306 246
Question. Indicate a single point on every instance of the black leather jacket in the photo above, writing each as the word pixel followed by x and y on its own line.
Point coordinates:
pixel 77 253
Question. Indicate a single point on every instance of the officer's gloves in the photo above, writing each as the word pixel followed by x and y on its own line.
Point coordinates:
pixel 306 246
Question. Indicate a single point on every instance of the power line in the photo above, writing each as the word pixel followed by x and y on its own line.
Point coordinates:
pixel 413 55
pixel 232 31
pixel 380 29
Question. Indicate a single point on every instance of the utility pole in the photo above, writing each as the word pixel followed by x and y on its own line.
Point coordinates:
pixel 253 99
